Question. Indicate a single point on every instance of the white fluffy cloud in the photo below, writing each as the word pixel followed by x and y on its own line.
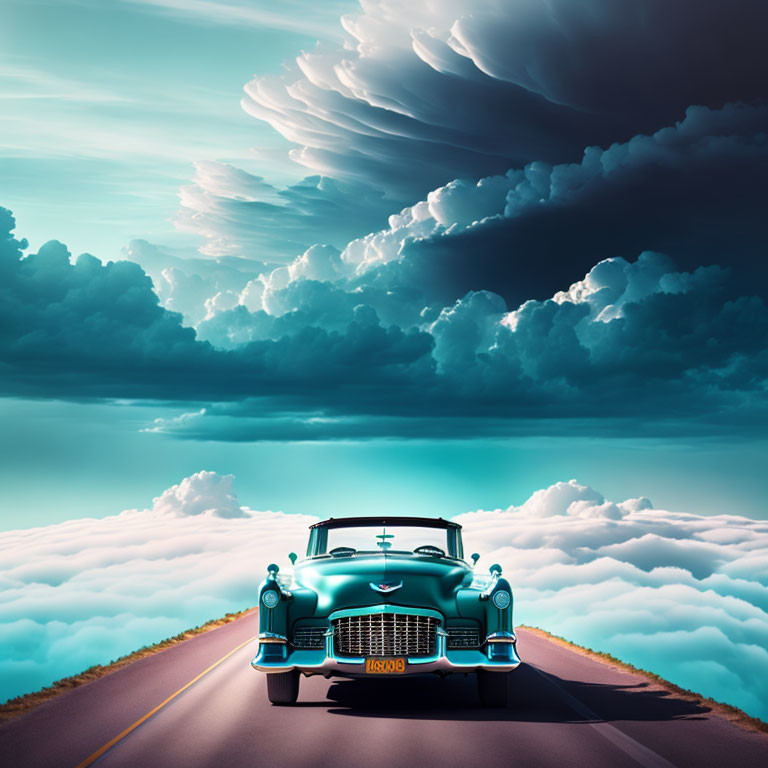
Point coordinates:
pixel 240 214
pixel 204 493
pixel 189 284
pixel 682 595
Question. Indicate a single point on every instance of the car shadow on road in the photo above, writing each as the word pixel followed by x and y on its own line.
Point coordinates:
pixel 534 698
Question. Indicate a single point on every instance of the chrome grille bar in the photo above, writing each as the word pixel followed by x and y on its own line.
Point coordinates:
pixel 463 637
pixel 385 634
pixel 309 638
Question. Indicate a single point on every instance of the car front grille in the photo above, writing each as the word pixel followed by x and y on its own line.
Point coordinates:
pixel 385 634
pixel 463 637
pixel 309 638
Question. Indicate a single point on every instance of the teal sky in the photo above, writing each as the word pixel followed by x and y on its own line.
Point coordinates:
pixel 104 107
pixel 63 460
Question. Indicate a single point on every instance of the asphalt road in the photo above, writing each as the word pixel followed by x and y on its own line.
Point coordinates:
pixel 568 710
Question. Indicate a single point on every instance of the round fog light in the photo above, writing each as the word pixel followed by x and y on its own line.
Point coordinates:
pixel 270 598
pixel 502 600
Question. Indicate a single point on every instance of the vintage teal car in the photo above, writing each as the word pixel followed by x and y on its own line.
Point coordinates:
pixel 385 596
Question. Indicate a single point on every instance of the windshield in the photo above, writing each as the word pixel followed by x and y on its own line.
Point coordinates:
pixel 378 538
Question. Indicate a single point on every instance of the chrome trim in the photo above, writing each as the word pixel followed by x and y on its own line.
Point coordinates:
pixel 501 657
pixel 501 637
pixel 463 637
pixel 442 666
pixel 272 637
pixel 486 593
pixel 274 579
pixel 303 636
pixel 385 608
pixel 386 634
pixel 385 588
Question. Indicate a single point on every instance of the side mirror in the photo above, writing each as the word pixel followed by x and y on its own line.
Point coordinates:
pixel 272 568
pixel 292 557
pixel 495 568
pixel 475 558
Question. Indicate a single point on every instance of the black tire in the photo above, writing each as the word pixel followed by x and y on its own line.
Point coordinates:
pixel 493 688
pixel 283 687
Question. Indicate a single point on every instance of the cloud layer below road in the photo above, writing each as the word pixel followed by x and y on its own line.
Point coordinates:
pixel 682 595
pixel 87 591
pixel 685 596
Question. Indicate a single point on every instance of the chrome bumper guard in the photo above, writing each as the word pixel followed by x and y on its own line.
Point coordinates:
pixel 498 653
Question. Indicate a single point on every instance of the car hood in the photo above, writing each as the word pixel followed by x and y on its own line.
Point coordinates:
pixel 345 582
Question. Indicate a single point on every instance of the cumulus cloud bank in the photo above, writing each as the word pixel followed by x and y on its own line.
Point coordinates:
pixel 683 595
pixel 318 357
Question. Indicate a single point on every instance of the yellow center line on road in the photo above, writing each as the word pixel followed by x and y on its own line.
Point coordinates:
pixel 111 743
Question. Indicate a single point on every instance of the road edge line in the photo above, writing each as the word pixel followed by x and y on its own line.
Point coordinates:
pixel 632 748
pixel 91 759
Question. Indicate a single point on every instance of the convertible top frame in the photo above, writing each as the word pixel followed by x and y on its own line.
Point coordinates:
pixel 318 533
pixel 354 522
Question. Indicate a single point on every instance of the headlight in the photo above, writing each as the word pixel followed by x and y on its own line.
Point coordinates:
pixel 501 599
pixel 270 598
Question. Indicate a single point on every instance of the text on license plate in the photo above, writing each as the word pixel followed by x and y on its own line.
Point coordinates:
pixel 384 666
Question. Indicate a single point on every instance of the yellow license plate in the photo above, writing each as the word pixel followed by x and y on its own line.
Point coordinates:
pixel 385 666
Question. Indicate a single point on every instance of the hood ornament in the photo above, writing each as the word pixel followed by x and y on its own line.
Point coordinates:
pixel 385 587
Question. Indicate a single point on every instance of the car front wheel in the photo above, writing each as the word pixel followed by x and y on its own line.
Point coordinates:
pixel 493 688
pixel 283 687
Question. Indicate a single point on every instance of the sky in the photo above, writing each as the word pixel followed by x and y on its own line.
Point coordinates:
pixel 431 257
pixel 98 462
pixel 107 105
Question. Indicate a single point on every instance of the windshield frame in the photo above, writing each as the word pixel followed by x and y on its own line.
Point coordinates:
pixel 318 536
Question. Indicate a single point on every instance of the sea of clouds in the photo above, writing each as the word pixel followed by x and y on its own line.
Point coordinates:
pixel 683 595
pixel 87 591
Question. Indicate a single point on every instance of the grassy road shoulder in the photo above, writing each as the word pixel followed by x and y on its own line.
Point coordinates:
pixel 23 704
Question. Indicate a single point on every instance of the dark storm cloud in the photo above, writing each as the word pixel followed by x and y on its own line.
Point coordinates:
pixel 632 340
pixel 422 94
pixel 620 287
pixel 97 330
pixel 84 328
pixel 695 190
pixel 426 94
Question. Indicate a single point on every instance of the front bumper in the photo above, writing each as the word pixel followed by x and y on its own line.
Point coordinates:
pixel 498 654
